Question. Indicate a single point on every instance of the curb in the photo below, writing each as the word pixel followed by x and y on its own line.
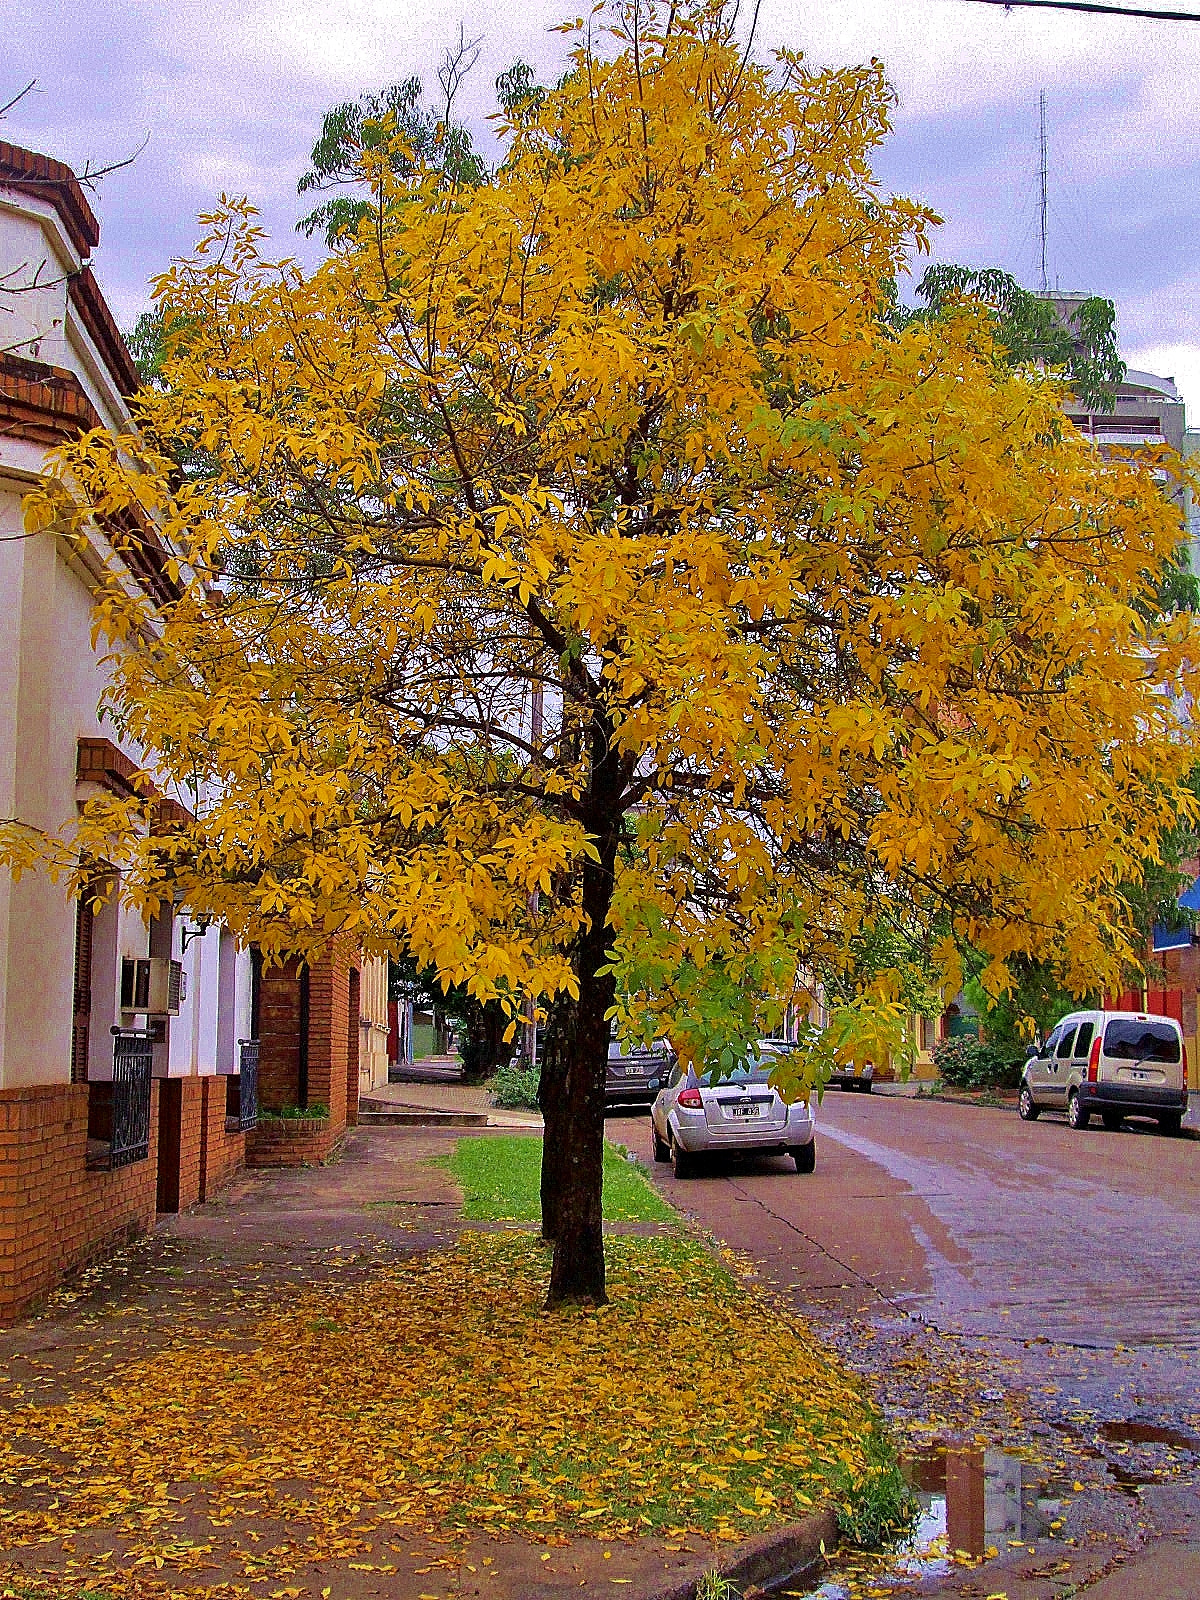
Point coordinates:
pixel 766 1560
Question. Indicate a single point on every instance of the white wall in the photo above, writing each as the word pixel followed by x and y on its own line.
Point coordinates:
pixel 51 683
pixel 35 257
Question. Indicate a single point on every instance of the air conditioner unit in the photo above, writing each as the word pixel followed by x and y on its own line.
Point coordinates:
pixel 153 986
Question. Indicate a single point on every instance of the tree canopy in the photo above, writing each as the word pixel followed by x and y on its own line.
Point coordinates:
pixel 585 584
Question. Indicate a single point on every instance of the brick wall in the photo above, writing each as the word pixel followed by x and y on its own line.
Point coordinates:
pixel 55 1215
pixel 221 1152
pixel 292 1142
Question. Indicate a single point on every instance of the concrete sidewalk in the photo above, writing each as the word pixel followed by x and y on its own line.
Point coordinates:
pixel 204 1281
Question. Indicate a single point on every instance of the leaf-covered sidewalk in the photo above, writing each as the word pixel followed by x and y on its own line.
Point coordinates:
pixel 327 1385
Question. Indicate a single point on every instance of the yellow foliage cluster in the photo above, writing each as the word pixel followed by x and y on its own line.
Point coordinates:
pixel 440 1393
pixel 586 548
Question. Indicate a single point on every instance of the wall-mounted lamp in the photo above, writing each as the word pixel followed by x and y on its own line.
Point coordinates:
pixel 204 922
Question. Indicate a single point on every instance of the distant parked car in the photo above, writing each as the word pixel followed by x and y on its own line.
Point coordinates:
pixel 636 1073
pixel 736 1115
pixel 853 1076
pixel 1117 1063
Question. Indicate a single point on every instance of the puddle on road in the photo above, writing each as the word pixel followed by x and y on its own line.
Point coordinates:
pixel 973 1504
pixel 1138 1454
pixel 1128 1432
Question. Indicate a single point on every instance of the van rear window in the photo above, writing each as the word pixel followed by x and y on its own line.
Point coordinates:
pixel 1126 1039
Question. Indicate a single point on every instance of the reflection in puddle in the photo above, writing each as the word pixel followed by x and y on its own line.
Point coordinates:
pixel 988 1498
pixel 972 1504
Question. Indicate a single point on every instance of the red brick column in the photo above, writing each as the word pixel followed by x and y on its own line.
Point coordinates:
pixel 221 1152
pixel 191 1141
pixel 328 1032
pixel 353 1035
pixel 181 1112
pixel 279 1037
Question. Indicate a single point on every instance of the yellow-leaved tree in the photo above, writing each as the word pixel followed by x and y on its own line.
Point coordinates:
pixel 588 588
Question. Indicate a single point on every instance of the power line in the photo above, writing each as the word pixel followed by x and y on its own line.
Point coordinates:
pixel 1095 5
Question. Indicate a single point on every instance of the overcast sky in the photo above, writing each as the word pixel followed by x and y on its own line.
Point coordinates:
pixel 230 97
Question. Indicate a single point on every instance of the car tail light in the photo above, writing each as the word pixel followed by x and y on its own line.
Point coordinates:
pixel 1185 1074
pixel 691 1099
pixel 1094 1060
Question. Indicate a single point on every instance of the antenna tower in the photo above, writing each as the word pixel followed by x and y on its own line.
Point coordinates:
pixel 1042 180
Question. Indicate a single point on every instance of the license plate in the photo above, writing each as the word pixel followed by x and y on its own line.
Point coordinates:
pixel 743 1111
pixel 1140 1076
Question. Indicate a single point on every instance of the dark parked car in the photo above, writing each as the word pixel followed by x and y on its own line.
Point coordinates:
pixel 853 1076
pixel 636 1073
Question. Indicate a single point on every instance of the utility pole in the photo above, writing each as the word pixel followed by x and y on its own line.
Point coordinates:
pixel 1042 173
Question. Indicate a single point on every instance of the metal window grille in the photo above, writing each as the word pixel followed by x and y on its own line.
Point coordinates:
pixel 133 1058
pixel 248 1079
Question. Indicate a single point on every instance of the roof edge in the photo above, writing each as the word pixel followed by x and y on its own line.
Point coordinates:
pixel 46 179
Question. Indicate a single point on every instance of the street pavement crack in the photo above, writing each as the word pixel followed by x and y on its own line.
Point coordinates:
pixel 853 1272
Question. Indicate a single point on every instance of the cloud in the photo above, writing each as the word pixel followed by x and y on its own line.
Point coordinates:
pixel 1178 361
pixel 947 57
pixel 231 96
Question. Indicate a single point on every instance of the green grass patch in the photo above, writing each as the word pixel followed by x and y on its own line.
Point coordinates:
pixel 500 1179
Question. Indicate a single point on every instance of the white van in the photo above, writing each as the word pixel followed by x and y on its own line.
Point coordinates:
pixel 1117 1063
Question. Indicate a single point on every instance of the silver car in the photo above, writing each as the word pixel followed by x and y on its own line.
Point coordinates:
pixel 739 1114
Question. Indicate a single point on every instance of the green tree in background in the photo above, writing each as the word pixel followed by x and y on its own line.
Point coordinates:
pixel 481 1026
pixel 1033 329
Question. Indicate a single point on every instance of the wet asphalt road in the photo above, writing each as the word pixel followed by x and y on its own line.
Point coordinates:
pixel 1013 1284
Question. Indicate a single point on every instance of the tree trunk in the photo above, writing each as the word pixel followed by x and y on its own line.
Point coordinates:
pixel 441 1031
pixel 573 1177
pixel 552 1103
pixel 483 1047
pixel 577 1274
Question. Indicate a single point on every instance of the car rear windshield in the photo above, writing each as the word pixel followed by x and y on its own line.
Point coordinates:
pixel 757 1072
pixel 1128 1039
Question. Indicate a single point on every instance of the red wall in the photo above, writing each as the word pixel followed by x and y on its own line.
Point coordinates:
pixel 55 1215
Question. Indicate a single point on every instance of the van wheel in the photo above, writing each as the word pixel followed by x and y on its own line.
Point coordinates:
pixel 1112 1120
pixel 805 1156
pixel 1170 1121
pixel 1077 1117
pixel 1027 1108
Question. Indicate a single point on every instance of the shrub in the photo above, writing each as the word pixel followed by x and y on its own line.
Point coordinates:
pixel 317 1111
pixel 515 1087
pixel 976 1064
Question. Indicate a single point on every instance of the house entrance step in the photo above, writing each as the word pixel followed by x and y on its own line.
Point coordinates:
pixel 380 1113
